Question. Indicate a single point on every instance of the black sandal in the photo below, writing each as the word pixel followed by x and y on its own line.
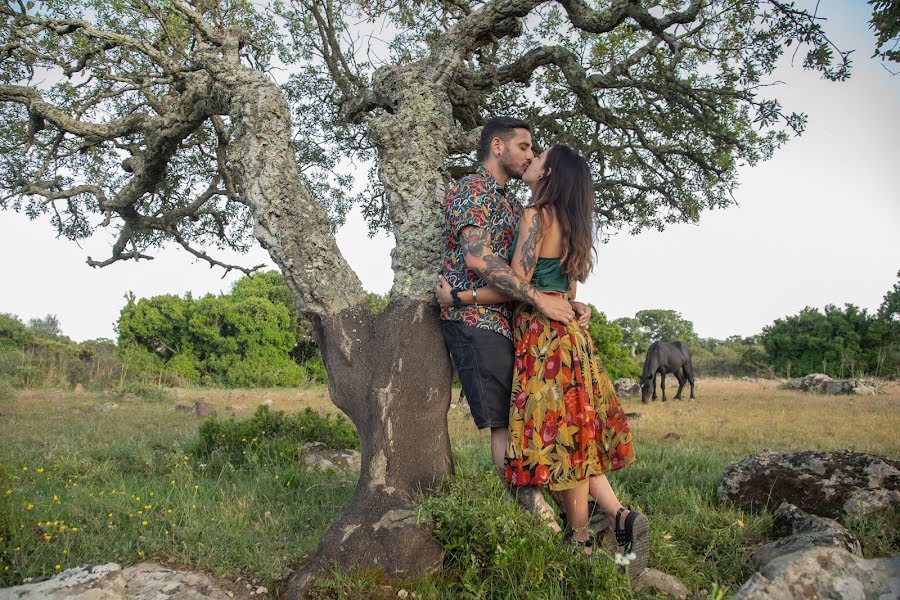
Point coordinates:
pixel 578 544
pixel 633 537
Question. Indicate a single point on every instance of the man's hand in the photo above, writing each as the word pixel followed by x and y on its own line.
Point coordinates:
pixel 442 291
pixel 555 307
pixel 582 312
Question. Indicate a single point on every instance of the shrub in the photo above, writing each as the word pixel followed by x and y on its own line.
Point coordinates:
pixel 273 436
pixel 147 392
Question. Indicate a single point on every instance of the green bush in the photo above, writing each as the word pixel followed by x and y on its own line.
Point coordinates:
pixel 495 549
pixel 147 392
pixel 270 436
pixel 314 370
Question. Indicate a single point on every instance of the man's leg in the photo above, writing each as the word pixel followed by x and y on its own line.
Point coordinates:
pixel 499 439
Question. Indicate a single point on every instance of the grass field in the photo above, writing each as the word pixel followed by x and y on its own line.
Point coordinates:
pixel 80 484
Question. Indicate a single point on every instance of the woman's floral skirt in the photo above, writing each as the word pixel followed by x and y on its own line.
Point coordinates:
pixel 565 421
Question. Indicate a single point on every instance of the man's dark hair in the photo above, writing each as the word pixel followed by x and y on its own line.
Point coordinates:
pixel 501 127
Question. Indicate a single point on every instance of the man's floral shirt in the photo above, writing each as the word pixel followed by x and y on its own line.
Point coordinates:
pixel 479 200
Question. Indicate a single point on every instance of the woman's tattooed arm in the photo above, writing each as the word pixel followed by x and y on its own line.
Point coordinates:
pixel 476 247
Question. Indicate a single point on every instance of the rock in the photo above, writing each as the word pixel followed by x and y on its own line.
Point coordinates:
pixel 652 580
pixel 818 382
pixel 627 387
pixel 202 409
pixel 797 530
pixel 107 406
pixel 129 396
pixel 261 590
pixel 814 382
pixel 269 402
pixel 151 581
pixel 827 573
pixel 182 407
pixel 99 582
pixel 828 484
pixel 671 437
pixel 144 581
pixel 319 456
pixel 79 389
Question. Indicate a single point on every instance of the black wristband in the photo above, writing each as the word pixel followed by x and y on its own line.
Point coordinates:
pixel 454 293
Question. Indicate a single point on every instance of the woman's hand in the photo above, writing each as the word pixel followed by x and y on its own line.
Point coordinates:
pixel 442 291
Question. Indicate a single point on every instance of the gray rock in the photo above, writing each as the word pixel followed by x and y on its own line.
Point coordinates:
pixel 828 484
pixel 319 456
pixel 651 580
pixel 818 382
pixel 107 406
pixel 627 387
pixel 797 530
pixel 202 409
pixel 152 581
pixel 826 574
pixel 98 582
pixel 144 581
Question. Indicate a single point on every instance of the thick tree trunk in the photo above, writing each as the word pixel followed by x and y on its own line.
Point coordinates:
pixel 390 373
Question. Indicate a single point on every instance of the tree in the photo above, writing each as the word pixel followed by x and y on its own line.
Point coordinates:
pixel 660 325
pixel 158 119
pixel 608 339
pixel 47 326
pixel 886 25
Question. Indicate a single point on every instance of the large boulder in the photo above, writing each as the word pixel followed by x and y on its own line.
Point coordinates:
pixel 819 382
pixel 828 484
pixel 144 581
pixel 320 456
pixel 98 582
pixel 627 387
pixel 826 574
pixel 797 530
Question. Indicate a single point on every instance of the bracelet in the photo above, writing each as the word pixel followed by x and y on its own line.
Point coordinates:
pixel 454 293
pixel 475 296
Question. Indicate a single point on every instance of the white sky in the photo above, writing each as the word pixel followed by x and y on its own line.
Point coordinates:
pixel 818 224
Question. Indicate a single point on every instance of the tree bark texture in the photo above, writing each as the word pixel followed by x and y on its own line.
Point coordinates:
pixel 390 373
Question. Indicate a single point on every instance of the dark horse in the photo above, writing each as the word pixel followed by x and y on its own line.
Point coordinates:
pixel 666 357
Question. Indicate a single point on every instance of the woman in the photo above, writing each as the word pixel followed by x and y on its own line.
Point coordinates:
pixel 567 428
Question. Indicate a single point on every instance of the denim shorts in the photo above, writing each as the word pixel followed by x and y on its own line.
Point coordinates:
pixel 484 361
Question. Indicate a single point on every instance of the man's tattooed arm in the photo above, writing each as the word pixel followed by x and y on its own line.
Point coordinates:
pixel 476 247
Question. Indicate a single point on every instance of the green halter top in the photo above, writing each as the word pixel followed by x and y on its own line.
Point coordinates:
pixel 548 275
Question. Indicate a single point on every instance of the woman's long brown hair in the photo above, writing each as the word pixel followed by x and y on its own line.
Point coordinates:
pixel 567 187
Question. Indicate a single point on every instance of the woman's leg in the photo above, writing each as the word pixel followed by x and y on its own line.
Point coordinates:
pixel 603 494
pixel 575 501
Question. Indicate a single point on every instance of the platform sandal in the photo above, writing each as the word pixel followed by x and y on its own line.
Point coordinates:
pixel 633 537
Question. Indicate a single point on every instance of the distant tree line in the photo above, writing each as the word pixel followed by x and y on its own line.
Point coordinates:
pixel 254 336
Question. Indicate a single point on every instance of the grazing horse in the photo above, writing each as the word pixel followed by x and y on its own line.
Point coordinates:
pixel 666 357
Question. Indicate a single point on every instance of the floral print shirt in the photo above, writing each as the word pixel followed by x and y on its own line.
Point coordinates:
pixel 479 200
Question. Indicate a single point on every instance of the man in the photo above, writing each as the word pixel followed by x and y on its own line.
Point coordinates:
pixel 481 221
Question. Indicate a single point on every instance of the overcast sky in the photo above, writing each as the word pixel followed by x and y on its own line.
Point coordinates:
pixel 818 224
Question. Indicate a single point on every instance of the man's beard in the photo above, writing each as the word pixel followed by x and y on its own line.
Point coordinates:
pixel 512 170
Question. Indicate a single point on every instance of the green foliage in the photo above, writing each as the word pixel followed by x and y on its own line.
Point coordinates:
pixel 34 356
pixel 660 325
pixel 148 393
pixel 45 327
pixel 886 25
pixel 839 342
pixel 244 339
pixel 735 356
pixel 270 437
pixel 607 338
